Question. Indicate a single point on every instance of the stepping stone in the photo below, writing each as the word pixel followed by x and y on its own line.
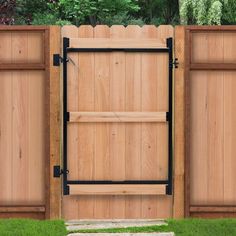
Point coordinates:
pixel 106 224
pixel 122 234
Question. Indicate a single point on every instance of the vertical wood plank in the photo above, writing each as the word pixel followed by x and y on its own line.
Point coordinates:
pixel 46 117
pixel 20 139
pixel 215 138
pixel 20 119
pixel 179 138
pixel 133 131
pixel 229 138
pixel 187 102
pixel 117 131
pixel 6 138
pixel 36 133
pixel 102 103
pixel 229 121
pixel 86 102
pixel 198 142
pixel 149 131
pixel 55 124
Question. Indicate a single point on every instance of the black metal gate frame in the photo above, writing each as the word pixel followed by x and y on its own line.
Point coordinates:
pixel 64 60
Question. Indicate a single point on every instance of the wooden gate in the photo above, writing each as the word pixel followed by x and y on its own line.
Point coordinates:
pixel 116 132
pixel 210 121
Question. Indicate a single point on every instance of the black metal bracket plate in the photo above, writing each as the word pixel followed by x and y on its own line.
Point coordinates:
pixel 57 172
pixel 57 59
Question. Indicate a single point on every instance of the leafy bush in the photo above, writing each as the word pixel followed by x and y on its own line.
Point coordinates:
pixel 208 12
pixel 96 11
pixel 48 19
pixel 89 12
pixel 229 12
pixel 122 18
pixel 159 11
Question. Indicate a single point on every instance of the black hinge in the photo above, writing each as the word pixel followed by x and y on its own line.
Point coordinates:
pixel 57 171
pixel 175 63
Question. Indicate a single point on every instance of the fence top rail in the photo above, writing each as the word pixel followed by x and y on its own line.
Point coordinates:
pixel 23 27
pixel 211 28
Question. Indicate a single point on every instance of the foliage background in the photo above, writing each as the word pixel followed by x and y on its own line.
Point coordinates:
pixel 61 12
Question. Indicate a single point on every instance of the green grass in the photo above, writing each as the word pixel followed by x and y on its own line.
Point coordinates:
pixel 25 227
pixel 189 227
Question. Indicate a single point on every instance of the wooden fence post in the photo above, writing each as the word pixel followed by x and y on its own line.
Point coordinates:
pixel 55 124
pixel 179 137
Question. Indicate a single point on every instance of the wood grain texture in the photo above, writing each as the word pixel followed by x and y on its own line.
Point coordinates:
pixel 108 83
pixel 117 189
pixel 102 131
pixel 15 209
pixel 117 117
pixel 24 158
pixel 27 149
pixel 117 43
pixel 24 215
pixel 208 209
pixel 133 132
pixel 70 205
pixel 117 131
pixel 55 124
pixel 22 47
pixel 86 139
pixel 179 135
pixel 211 118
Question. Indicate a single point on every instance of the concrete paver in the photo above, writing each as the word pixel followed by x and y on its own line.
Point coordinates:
pixel 105 224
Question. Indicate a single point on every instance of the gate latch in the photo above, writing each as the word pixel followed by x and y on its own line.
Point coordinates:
pixel 57 171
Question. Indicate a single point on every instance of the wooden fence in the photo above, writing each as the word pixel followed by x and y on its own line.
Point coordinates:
pixel 116 118
pixel 29 128
pixel 210 121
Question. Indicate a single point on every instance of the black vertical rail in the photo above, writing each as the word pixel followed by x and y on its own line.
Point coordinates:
pixel 169 43
pixel 66 43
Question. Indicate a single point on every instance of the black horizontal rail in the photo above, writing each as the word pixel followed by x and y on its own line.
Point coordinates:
pixel 118 50
pixel 117 182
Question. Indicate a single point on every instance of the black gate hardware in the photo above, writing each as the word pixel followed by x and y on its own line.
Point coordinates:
pixel 57 59
pixel 171 63
pixel 57 171
pixel 176 63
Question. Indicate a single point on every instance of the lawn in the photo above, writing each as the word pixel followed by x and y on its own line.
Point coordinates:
pixel 25 227
pixel 189 227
